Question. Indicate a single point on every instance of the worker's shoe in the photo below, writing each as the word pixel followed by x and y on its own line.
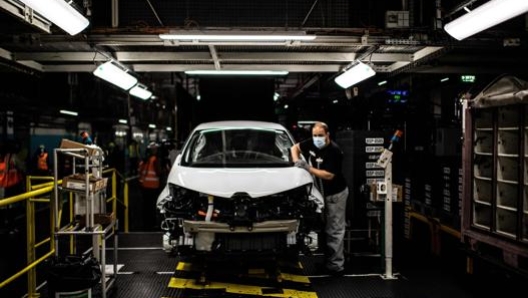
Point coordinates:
pixel 336 273
pixel 323 270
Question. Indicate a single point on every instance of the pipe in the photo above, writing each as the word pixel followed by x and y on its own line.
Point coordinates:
pixel 309 13
pixel 115 13
pixel 210 207
pixel 155 13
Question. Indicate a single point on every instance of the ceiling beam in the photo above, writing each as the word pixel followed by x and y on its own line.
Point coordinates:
pixel 7 55
pixel 417 56
pixel 185 67
pixel 153 39
pixel 26 15
pixel 287 67
pixel 420 54
pixel 223 56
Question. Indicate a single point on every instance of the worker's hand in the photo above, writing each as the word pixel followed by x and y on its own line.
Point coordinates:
pixel 302 164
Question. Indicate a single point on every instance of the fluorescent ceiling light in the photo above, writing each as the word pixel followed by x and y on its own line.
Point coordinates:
pixel 115 75
pixel 354 75
pixel 152 125
pixel 382 83
pixel 306 122
pixel 238 72
pixel 169 128
pixel 71 113
pixel 236 36
pixel 123 121
pixel 60 13
pixel 444 80
pixel 141 92
pixel 485 16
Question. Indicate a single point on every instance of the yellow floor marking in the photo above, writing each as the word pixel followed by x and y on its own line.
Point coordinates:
pixel 295 278
pixel 182 266
pixel 255 272
pixel 238 289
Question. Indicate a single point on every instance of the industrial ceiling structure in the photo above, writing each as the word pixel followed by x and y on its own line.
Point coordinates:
pixel 393 37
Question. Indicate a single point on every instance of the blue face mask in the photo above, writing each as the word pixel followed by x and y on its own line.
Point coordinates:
pixel 319 142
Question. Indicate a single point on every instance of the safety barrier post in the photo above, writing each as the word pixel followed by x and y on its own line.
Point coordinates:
pixel 30 238
pixel 30 235
pixel 125 195
pixel 114 192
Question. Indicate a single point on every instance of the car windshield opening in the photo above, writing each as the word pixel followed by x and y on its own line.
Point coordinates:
pixel 247 147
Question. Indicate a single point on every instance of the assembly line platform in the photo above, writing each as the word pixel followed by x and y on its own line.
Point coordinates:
pixel 145 270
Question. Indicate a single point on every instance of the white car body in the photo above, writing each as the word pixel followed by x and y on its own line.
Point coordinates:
pixel 245 197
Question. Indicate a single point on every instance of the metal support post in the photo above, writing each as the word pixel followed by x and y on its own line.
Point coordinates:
pixel 384 192
pixel 388 222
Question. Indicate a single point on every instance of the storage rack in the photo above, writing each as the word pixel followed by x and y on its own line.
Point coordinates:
pixel 495 192
pixel 87 196
pixel 496 175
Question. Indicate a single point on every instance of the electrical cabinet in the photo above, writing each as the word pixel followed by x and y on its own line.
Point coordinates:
pixel 85 189
pixel 495 169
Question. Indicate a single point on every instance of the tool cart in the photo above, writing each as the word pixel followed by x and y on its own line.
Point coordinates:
pixel 88 228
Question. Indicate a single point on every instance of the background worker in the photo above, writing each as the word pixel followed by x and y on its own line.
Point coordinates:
pixel 11 171
pixel 86 139
pixel 323 159
pixel 41 165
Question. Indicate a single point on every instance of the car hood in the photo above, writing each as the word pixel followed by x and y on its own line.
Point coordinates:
pixel 224 182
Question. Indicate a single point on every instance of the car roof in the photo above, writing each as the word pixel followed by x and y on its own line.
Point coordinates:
pixel 240 124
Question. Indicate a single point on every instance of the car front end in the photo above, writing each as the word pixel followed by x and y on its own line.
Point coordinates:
pixel 238 201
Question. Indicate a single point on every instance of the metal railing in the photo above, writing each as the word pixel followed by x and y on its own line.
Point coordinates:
pixel 36 194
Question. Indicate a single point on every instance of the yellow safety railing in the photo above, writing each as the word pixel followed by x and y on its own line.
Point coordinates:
pixel 434 227
pixel 30 198
pixel 126 201
pixel 34 195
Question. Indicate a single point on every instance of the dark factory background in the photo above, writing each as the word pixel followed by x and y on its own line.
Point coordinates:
pixel 424 78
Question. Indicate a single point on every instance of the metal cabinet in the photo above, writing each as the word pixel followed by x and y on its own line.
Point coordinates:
pixel 495 168
pixel 86 192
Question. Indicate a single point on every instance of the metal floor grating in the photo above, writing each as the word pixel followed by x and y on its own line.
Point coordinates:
pixel 242 279
pixel 149 272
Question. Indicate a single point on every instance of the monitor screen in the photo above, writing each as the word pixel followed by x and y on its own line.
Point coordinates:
pixel 397 96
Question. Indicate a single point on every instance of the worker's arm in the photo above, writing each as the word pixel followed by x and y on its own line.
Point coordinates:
pixel 319 173
pixel 295 152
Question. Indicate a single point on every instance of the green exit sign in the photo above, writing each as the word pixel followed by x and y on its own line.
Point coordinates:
pixel 467 79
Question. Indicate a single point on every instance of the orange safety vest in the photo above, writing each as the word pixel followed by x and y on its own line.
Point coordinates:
pixel 42 163
pixel 9 174
pixel 3 170
pixel 147 174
